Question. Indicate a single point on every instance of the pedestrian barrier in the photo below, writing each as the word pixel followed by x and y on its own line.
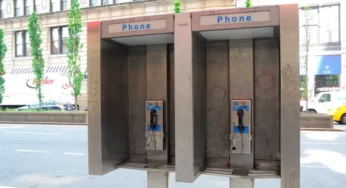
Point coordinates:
pixel 68 118
pixel 312 120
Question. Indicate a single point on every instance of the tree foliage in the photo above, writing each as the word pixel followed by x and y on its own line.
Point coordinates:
pixel 248 3
pixel 307 32
pixel 74 45
pixel 36 51
pixel 3 50
pixel 177 8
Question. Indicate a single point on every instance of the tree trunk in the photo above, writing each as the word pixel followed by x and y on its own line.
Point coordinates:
pixel 307 73
pixel 76 103
pixel 39 99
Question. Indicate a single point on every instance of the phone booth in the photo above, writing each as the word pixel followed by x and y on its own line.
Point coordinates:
pixel 208 92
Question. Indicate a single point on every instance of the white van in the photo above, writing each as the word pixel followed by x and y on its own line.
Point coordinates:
pixel 327 101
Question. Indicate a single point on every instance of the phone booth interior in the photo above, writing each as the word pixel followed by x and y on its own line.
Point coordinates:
pixel 130 76
pixel 241 123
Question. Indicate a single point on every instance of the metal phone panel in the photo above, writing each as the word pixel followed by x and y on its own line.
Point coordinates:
pixel 267 99
pixel 241 126
pixel 183 85
pixel 241 65
pixel 289 96
pixel 154 125
pixel 94 99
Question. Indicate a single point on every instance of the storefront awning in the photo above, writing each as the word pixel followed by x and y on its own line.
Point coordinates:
pixel 50 69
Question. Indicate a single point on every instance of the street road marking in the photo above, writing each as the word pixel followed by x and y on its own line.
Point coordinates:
pixel 67 153
pixel 324 143
pixel 32 151
pixel 305 166
pixel 10 127
pixel 33 133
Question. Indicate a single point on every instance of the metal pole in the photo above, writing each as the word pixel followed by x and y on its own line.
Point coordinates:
pixel 241 183
pixel 158 179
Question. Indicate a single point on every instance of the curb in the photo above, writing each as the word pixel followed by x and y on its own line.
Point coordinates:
pixel 322 129
pixel 43 123
pixel 85 124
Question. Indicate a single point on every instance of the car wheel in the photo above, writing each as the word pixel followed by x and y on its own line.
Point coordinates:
pixel 343 119
pixel 312 111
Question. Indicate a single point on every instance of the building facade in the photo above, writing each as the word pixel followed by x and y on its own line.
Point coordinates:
pixel 327 55
pixel 321 25
pixel 53 15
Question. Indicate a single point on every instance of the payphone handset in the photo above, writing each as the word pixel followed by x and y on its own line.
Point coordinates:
pixel 241 127
pixel 154 125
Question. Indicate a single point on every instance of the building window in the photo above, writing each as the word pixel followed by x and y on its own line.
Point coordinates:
pixel 93 3
pixel 2 9
pixel 37 6
pixel 22 41
pixel 54 6
pixel 59 37
pixel 63 4
pixel 329 24
pixel 17 8
pixel 321 24
pixel 325 83
pixel 26 8
pixel 106 2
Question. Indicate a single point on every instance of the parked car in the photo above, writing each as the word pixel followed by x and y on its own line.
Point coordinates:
pixel 339 115
pixel 43 108
pixel 49 105
pixel 71 107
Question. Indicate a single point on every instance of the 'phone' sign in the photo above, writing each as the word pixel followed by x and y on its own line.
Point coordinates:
pixel 235 18
pixel 137 26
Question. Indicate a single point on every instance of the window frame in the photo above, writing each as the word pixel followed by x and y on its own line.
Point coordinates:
pixel 26 13
pixel 51 6
pixel 16 8
pixel 24 35
pixel 61 3
pixel 109 2
pixel 319 28
pixel 90 3
pixel 1 13
pixel 339 23
pixel 60 40
pixel 35 8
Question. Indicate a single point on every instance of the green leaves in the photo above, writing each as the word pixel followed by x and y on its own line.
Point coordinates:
pixel 36 51
pixel 2 88
pixel 74 45
pixel 248 3
pixel 177 4
pixel 3 50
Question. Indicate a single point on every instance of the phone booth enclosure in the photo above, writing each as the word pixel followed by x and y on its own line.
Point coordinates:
pixel 238 55
pixel 131 94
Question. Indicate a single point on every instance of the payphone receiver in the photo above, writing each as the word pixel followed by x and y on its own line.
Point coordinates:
pixel 240 114
pixel 153 119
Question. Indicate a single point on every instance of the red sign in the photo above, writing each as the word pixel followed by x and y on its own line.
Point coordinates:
pixel 66 85
pixel 31 83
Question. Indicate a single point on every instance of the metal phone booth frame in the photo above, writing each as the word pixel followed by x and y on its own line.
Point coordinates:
pixel 131 96
pixel 217 91
pixel 226 57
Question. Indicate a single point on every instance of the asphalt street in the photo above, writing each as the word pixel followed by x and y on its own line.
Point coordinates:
pixel 56 156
